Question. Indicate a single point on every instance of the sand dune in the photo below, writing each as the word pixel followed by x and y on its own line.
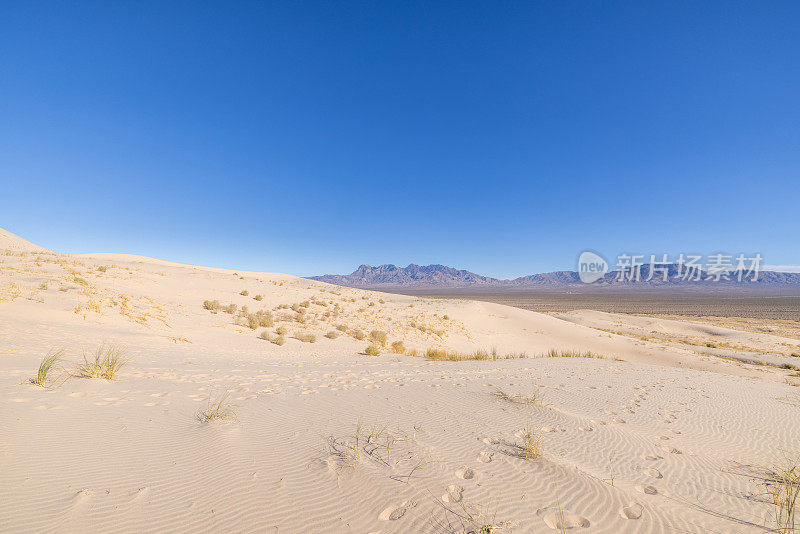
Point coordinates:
pixel 653 437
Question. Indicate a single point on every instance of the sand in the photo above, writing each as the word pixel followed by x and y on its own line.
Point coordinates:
pixel 654 437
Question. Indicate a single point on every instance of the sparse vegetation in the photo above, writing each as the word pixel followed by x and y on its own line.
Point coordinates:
pixel 43 286
pixel 518 398
pixel 554 353
pixel 46 367
pixel 533 443
pixel 217 410
pixel 281 330
pixel 783 485
pixel 333 334
pixel 280 340
pixel 211 305
pixel 372 350
pixel 398 347
pixel 379 337
pixel 359 334
pixel 306 337
pixel 244 292
pixel 259 297
pixel 107 362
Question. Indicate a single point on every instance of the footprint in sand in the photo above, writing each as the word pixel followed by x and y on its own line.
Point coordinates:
pixel 393 513
pixel 491 441
pixel 652 472
pixel 585 428
pixel 647 490
pixel 465 473
pixel 670 450
pixel 453 493
pixel 485 457
pixel 561 519
pixel 632 511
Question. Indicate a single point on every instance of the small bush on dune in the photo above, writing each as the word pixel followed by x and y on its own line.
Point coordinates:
pixel 281 330
pixel 372 350
pixel 398 347
pixel 48 363
pixel 217 410
pixel 379 337
pixel 358 334
pixel 244 293
pixel 280 340
pixel 230 308
pixel 306 337
pixel 259 297
pixel 265 335
pixel 211 305
pixel 333 334
pixel 107 362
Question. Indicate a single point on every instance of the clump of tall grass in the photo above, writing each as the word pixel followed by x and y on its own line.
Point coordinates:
pixel 217 410
pixel 783 485
pixel 533 443
pixel 259 297
pixel 244 292
pixel 519 398
pixel 333 334
pixel 280 340
pixel 398 347
pixel 281 330
pixel 554 353
pixel 372 350
pixel 211 305
pixel 306 337
pixel 359 334
pixel 46 367
pixel 107 362
pixel 378 337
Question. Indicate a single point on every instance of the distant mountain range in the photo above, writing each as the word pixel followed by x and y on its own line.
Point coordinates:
pixel 440 276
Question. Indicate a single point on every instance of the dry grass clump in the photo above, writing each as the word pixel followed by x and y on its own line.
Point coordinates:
pixel 783 485
pixel 211 305
pixel 259 297
pixel 372 350
pixel 217 410
pixel 102 268
pixel 281 330
pixel 244 292
pixel 379 337
pixel 453 356
pixel 43 286
pixel 48 363
pixel 306 337
pixel 280 340
pixel 533 444
pixel 358 334
pixel 342 328
pixel 519 398
pixel 107 362
pixel 398 347
pixel 333 334
pixel 265 335
pixel 554 353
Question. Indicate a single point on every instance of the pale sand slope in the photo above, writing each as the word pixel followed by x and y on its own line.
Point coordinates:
pixel 89 455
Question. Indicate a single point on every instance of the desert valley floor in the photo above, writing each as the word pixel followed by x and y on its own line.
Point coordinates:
pixel 665 428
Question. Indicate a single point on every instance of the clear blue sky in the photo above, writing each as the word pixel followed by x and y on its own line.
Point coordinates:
pixel 310 137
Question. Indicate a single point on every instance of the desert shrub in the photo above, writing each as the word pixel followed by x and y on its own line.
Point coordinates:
pixel 259 297
pixel 102 268
pixel 212 305
pixel 379 337
pixel 333 334
pixel 264 318
pixel 265 335
pixel 341 327
pixel 48 363
pixel 244 292
pixel 281 330
pixel 372 350
pixel 359 334
pixel 280 340
pixel 398 347
pixel 107 362
pixel 230 308
pixel 306 337
pixel 446 317
pixel 43 286
pixel 305 304
pixel 218 410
